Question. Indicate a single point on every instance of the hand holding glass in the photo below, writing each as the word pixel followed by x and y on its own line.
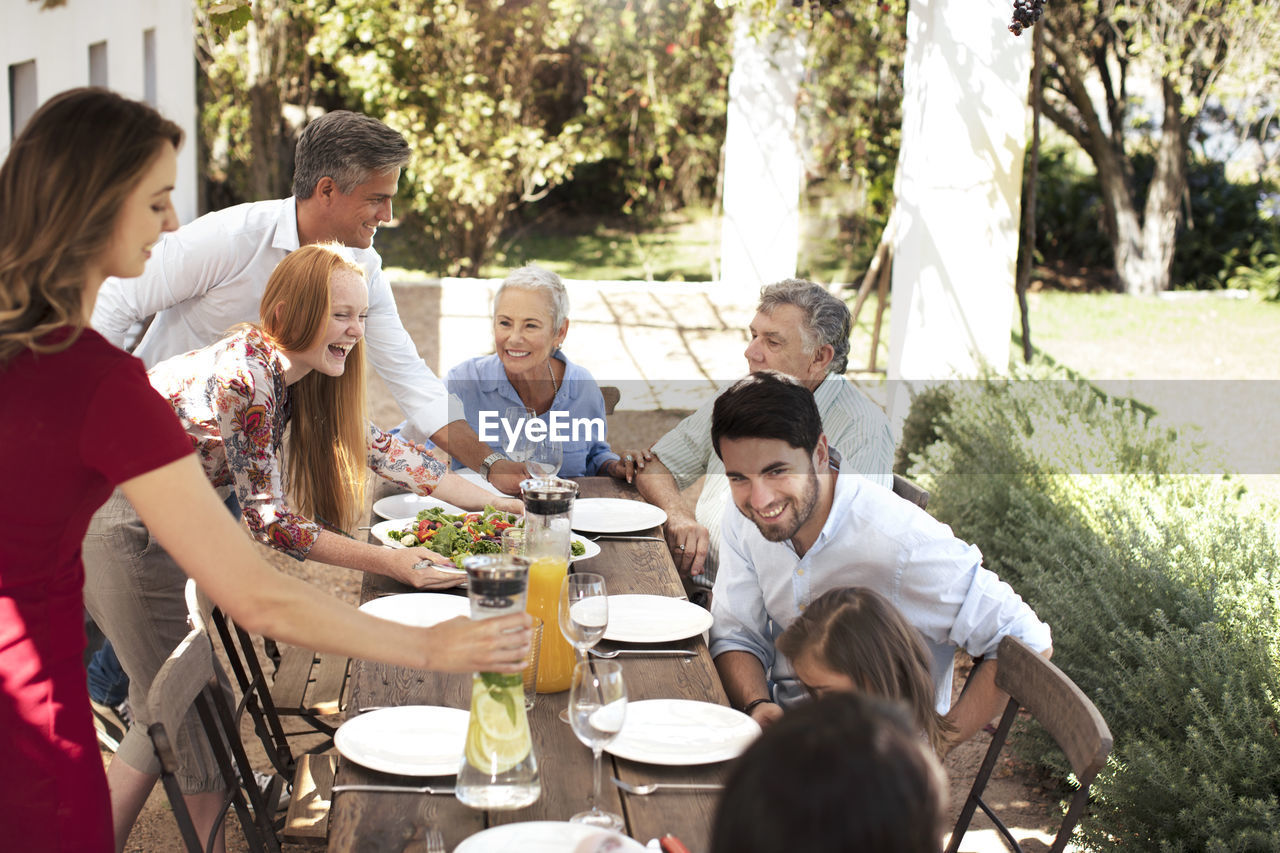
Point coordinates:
pixel 597 709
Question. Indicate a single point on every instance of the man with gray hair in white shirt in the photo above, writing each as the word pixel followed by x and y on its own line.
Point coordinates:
pixel 800 526
pixel 209 275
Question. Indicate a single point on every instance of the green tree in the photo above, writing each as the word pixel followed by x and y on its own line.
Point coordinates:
pixel 500 101
pixel 254 64
pixel 656 89
pixel 480 91
pixel 1188 50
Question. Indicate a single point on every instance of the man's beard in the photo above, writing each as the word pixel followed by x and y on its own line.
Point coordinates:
pixel 802 507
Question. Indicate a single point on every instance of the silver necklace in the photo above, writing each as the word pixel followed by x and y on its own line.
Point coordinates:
pixel 555 388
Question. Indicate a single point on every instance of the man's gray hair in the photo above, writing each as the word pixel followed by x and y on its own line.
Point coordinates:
pixel 534 277
pixel 349 147
pixel 826 317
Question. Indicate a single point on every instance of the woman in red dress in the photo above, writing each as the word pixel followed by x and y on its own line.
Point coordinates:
pixel 84 193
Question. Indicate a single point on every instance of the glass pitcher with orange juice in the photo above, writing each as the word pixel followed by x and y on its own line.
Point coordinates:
pixel 548 504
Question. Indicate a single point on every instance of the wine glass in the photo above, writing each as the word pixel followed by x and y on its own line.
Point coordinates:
pixel 597 709
pixel 583 613
pixel 515 418
pixel 542 459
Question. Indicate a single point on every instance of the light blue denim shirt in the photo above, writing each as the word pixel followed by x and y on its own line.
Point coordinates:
pixel 481 384
pixel 875 539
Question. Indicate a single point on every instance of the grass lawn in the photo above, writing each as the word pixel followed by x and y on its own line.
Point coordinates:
pixel 1205 361
pixel 1186 335
pixel 682 247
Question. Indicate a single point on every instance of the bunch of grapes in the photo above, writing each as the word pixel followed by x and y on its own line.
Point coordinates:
pixel 1025 14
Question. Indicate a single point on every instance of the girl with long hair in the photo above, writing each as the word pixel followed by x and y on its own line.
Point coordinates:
pixel 300 371
pixel 852 639
pixel 85 193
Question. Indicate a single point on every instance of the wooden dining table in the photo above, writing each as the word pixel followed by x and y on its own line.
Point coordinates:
pixel 364 821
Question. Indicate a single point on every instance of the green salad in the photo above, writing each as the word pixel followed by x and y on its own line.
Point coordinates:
pixel 455 535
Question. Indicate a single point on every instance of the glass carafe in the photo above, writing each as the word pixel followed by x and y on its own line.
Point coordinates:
pixel 498 769
pixel 548 505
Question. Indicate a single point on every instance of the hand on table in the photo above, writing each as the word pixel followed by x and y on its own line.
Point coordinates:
pixel 688 541
pixel 483 645
pixel 629 463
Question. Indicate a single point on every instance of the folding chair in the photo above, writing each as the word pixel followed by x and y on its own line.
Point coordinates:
pixel 307 819
pixel 904 488
pixel 1051 698
pixel 189 678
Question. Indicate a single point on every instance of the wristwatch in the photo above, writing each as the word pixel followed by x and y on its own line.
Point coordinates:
pixel 493 457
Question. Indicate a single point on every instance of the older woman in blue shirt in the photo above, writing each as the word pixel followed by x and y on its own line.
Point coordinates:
pixel 528 369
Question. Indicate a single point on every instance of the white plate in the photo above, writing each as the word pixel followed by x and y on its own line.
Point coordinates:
pixel 408 505
pixel 654 619
pixel 614 515
pixel 420 609
pixel 682 732
pixel 545 836
pixel 413 740
pixel 379 531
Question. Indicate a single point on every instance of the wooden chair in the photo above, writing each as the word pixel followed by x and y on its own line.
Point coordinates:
pixel 612 394
pixel 1034 683
pixel 904 488
pixel 307 819
pixel 189 678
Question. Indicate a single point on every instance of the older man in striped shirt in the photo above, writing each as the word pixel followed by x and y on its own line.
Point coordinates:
pixel 803 331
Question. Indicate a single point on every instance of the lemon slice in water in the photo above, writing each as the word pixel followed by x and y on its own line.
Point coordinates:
pixel 498 733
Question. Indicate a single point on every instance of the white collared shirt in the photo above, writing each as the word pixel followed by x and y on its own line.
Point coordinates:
pixel 875 539
pixel 209 275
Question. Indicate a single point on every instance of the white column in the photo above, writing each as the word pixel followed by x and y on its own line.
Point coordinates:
pixel 760 228
pixel 958 183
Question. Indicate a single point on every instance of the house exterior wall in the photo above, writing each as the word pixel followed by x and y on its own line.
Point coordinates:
pixel 146 48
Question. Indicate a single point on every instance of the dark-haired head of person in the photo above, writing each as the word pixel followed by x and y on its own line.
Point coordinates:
pixel 766 430
pixel 846 772
pixel 852 639
pixel 767 404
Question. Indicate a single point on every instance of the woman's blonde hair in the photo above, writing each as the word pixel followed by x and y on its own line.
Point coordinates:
pixel 328 431
pixel 858 632
pixel 61 189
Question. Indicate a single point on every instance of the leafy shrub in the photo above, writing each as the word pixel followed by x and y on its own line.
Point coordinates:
pixel 1160 589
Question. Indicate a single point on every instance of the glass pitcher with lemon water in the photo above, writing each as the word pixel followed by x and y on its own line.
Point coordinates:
pixel 548 505
pixel 498 769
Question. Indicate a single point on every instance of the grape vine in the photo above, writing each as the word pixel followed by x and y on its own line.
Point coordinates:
pixel 1025 15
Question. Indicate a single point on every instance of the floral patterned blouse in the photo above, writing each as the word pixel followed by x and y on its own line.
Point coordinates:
pixel 232 400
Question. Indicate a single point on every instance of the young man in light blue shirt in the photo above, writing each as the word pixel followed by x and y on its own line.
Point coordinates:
pixel 800 527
